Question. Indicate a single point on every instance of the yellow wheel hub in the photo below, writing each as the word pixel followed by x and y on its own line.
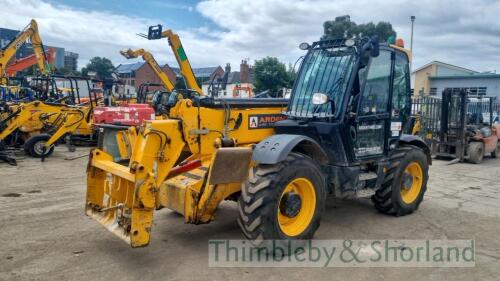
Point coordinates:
pixel 413 179
pixel 296 207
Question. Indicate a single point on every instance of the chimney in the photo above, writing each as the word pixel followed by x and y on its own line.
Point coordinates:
pixel 244 72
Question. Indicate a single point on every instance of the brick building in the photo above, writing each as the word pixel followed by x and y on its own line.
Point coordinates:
pixel 243 78
pixel 135 74
pixel 203 74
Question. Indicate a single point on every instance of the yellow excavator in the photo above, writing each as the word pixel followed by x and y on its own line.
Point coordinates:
pixel 31 33
pixel 339 133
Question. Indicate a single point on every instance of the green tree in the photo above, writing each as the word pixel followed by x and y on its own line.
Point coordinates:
pixel 343 27
pixel 63 71
pixel 292 75
pixel 270 74
pixel 102 66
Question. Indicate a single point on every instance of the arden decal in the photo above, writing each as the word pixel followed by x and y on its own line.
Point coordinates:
pixel 262 121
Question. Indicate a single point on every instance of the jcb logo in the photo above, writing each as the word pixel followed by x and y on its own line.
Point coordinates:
pixel 262 121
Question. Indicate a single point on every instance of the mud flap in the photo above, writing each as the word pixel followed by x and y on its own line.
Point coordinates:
pixel 230 165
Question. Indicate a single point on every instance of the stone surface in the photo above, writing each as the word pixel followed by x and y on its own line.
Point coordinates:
pixel 46 236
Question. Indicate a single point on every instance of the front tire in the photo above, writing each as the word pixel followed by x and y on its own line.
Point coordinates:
pixel 283 201
pixel 405 182
pixel 475 152
pixel 34 146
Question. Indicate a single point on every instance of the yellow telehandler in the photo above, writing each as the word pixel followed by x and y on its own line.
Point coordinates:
pixel 341 132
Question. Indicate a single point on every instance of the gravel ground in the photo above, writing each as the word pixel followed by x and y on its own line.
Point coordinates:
pixel 46 236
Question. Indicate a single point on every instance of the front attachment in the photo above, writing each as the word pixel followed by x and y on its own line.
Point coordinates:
pixel 123 198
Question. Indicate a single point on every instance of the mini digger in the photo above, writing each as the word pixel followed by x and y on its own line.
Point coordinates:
pixel 340 133
pixel 39 125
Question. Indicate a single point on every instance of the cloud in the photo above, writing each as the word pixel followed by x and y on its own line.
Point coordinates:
pixel 460 32
pixel 97 33
pixel 176 6
pixel 457 32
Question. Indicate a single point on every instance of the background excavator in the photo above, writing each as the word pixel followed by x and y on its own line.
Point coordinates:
pixel 30 33
pixel 40 58
pixel 23 63
pixel 39 125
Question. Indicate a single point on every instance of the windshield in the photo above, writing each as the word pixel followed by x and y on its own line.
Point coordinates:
pixel 322 71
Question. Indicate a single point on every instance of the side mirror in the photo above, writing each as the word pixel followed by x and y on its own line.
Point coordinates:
pixel 322 98
pixel 375 46
pixel 369 49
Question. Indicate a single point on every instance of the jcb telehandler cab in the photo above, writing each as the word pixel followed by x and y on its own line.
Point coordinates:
pixel 343 135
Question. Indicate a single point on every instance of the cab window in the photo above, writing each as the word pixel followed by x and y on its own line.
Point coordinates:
pixel 375 94
pixel 401 84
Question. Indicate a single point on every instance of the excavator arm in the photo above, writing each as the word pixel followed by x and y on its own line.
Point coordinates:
pixel 70 120
pixel 148 57
pixel 155 32
pixel 28 61
pixel 26 112
pixel 7 53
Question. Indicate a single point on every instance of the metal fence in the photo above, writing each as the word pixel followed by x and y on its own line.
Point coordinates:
pixel 478 106
pixel 428 109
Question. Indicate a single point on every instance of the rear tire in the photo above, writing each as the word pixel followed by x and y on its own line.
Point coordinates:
pixel 34 146
pixel 263 210
pixel 475 152
pixel 404 184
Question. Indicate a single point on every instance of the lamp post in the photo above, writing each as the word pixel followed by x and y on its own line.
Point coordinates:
pixel 412 18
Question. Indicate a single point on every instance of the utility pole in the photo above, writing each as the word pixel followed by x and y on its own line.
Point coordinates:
pixel 412 18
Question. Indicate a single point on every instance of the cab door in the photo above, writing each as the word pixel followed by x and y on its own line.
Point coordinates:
pixel 401 97
pixel 373 113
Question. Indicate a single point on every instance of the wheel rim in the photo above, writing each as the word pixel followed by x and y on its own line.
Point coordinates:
pixel 38 147
pixel 292 220
pixel 413 178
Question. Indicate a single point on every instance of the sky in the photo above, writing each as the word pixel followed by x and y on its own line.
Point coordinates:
pixel 216 32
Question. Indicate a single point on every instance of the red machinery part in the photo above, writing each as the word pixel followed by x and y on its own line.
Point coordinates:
pixel 127 115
